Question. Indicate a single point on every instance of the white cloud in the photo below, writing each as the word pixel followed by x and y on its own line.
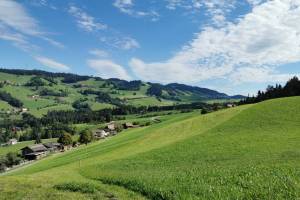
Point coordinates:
pixel 126 6
pixel 17 25
pixel 127 43
pixel 85 21
pixel 216 10
pixel 98 53
pixel 108 69
pixel 108 35
pixel 258 75
pixel 119 41
pixel 13 15
pixel 267 37
pixel 52 63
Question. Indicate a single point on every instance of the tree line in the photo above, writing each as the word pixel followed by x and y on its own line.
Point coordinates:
pixel 291 88
pixel 5 96
pixel 67 77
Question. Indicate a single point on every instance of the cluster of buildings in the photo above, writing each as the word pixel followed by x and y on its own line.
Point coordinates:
pixel 38 151
pixel 111 130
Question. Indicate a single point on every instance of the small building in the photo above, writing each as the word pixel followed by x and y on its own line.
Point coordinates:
pixel 128 125
pixel 12 141
pixel 111 126
pixel 24 110
pixel 35 96
pixel 34 152
pixel 230 105
pixel 53 146
pixel 100 134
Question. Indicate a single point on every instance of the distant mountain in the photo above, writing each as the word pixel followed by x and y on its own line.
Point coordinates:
pixel 40 91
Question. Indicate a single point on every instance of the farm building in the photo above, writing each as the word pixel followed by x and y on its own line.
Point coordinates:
pixel 24 110
pixel 54 146
pixel 100 134
pixel 111 126
pixel 12 141
pixel 34 152
pixel 128 125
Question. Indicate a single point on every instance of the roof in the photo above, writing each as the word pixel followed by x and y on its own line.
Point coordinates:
pixel 52 144
pixel 36 148
pixel 128 124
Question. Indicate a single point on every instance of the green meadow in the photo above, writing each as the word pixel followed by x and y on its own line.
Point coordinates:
pixel 246 152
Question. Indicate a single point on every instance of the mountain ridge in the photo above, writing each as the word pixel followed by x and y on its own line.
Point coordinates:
pixel 41 91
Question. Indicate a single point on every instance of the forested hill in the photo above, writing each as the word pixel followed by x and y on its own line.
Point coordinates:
pixel 40 91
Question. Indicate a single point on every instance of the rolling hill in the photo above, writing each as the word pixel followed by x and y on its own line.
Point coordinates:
pixel 41 91
pixel 246 152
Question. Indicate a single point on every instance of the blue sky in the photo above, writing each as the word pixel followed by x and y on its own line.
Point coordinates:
pixel 234 46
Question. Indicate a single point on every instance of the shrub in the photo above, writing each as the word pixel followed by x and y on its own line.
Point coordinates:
pixel 3 162
pixel 86 137
pixel 12 159
pixel 65 139
pixel 204 111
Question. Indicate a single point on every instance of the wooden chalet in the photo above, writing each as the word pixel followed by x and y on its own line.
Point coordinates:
pixel 34 152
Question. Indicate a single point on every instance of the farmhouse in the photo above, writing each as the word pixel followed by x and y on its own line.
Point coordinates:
pixel 34 152
pixel 128 125
pixel 24 110
pixel 12 141
pixel 100 134
pixel 111 126
pixel 53 146
pixel 230 105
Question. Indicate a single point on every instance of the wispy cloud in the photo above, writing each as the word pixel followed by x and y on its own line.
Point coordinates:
pixel 99 53
pixel 48 62
pixel 85 21
pixel 106 34
pixel 108 69
pixel 127 7
pixel 256 44
pixel 216 10
pixel 43 3
pixel 17 25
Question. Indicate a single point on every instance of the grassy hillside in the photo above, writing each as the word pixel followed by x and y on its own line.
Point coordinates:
pixel 58 92
pixel 248 152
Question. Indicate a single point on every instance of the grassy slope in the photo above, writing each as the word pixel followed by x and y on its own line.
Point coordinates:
pixel 246 152
pixel 253 156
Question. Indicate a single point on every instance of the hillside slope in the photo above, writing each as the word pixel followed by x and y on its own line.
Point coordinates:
pixel 248 152
pixel 41 91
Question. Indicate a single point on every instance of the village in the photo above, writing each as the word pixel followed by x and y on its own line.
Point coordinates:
pixel 31 153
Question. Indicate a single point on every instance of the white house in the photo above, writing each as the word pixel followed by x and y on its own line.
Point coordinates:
pixel 12 141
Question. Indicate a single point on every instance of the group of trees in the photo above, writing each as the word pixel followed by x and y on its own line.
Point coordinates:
pixel 125 85
pixel 35 81
pixel 9 160
pixel 67 77
pixel 102 97
pixel 49 92
pixel 5 96
pixel 81 104
pixel 291 88
pixel 85 137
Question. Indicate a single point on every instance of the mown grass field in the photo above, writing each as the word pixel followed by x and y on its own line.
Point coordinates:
pixel 247 152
